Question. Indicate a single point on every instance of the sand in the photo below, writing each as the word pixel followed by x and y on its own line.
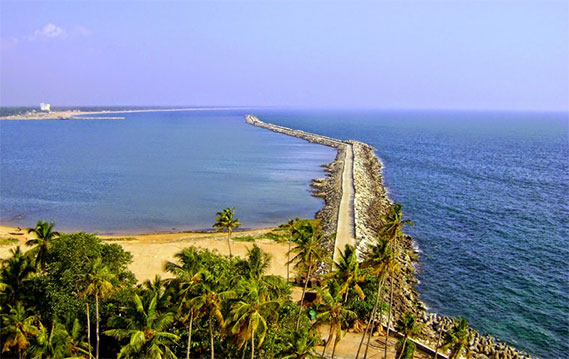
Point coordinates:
pixel 151 251
pixel 76 114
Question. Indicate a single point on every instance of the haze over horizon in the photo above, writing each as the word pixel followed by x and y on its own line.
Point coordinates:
pixel 407 55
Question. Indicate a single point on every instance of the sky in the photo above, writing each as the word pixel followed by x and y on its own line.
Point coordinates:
pixel 481 55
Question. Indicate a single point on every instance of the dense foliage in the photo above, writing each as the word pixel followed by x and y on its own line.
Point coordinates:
pixel 72 295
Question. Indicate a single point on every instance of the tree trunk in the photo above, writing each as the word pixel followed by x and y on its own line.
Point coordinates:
pixel 229 243
pixel 372 317
pixel 211 338
pixel 403 347
pixel 89 331
pixel 244 350
pixel 302 297
pixel 19 353
pixel 438 341
pixel 389 315
pixel 335 343
pixel 190 334
pixel 252 343
pixel 331 336
pixel 97 318
pixel 288 258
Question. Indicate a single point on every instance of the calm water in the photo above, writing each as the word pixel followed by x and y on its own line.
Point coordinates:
pixel 489 196
pixel 154 172
pixel 488 193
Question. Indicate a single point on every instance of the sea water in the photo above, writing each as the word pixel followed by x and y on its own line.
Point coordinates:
pixel 488 193
pixel 153 172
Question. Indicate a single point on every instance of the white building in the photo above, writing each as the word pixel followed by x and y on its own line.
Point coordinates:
pixel 45 107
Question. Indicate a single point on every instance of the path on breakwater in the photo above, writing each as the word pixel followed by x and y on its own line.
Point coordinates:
pixel 345 225
pixel 345 228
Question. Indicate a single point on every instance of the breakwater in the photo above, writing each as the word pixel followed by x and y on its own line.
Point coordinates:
pixel 370 204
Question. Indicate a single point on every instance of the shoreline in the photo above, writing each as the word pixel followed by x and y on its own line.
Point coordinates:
pixel 73 114
pixel 370 203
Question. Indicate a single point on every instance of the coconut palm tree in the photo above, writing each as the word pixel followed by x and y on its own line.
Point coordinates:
pixel 17 328
pixel 331 310
pixel 98 280
pixel 57 342
pixel 256 264
pixel 44 236
pixel 224 221
pixel 210 302
pixel 14 273
pixel 301 344
pixel 190 275
pixel 146 329
pixel 290 225
pixel 408 326
pixel 309 252
pixel 392 229
pixel 347 271
pixel 250 314
pixel 458 339
pixel 379 261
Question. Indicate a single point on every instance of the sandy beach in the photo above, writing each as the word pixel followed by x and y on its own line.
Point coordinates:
pixel 77 114
pixel 151 251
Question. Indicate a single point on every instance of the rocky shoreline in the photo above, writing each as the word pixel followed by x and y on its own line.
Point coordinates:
pixel 370 204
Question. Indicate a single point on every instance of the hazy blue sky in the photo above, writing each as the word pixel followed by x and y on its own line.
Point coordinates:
pixel 472 55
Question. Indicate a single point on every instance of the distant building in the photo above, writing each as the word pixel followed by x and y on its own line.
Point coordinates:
pixel 45 107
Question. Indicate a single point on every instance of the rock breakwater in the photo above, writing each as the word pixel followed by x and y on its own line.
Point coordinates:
pixel 370 204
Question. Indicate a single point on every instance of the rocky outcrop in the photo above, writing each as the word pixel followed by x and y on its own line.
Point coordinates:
pixel 370 204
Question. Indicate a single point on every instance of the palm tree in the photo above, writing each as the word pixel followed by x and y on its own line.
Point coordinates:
pixel 348 272
pixel 331 310
pixel 17 328
pixel 250 315
pixel 301 345
pixel 224 221
pixel 98 280
pixel 380 260
pixel 256 264
pixel 458 339
pixel 44 236
pixel 14 273
pixel 408 326
pixel 146 329
pixel 189 278
pixel 57 342
pixel 210 304
pixel 441 329
pixel 290 225
pixel 309 252
pixel 392 229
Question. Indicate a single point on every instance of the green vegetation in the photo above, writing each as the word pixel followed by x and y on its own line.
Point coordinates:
pixel 8 241
pixel 72 295
pixel 224 221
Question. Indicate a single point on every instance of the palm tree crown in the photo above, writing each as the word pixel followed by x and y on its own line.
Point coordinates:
pixel 44 236
pixel 224 221
pixel 146 328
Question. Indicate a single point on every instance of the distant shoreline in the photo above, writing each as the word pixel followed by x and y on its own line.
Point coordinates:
pixel 76 114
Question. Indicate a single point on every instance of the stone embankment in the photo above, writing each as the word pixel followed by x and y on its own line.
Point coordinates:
pixel 328 188
pixel 370 204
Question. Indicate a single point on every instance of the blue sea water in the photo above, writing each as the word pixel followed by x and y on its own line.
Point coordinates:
pixel 154 172
pixel 488 193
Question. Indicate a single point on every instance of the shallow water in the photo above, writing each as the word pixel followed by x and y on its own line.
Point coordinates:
pixel 488 193
pixel 154 172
